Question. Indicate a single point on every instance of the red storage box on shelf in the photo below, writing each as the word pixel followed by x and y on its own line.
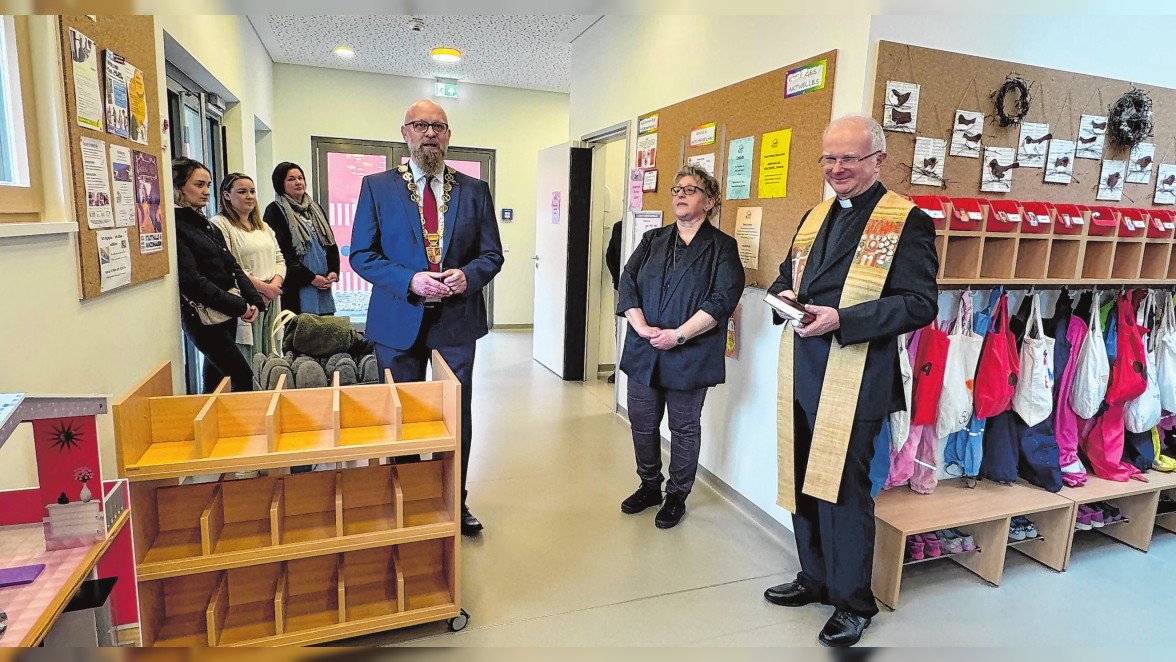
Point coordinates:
pixel 937 207
pixel 1104 221
pixel 1132 222
pixel 1070 219
pixel 969 213
pixel 1160 224
pixel 1035 217
pixel 1003 215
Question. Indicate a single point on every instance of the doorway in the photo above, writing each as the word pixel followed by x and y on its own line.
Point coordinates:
pixel 339 166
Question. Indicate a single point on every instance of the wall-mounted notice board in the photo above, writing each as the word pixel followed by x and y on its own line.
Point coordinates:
pixel 953 82
pixel 799 98
pixel 115 147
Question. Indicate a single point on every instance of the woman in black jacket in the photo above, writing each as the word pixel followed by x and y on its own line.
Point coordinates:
pixel 678 289
pixel 214 291
pixel 307 243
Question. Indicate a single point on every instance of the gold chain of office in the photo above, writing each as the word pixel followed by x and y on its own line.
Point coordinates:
pixel 432 239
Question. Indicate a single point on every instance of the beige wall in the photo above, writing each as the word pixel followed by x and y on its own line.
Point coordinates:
pixel 52 343
pixel 310 101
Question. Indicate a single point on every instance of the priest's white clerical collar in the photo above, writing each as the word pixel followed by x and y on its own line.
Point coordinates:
pixel 846 203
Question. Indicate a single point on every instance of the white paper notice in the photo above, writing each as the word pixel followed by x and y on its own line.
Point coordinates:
pixel 704 161
pixel 98 210
pixel 122 182
pixel 1139 166
pixel 1110 182
pixel 643 221
pixel 647 150
pixel 1059 165
pixel 930 155
pixel 649 184
pixel 999 163
pixel 647 125
pixel 1166 184
pixel 1091 134
pixel 87 92
pixel 966 133
pixel 747 233
pixel 114 258
pixel 1033 145
pixel 703 135
pixel 901 108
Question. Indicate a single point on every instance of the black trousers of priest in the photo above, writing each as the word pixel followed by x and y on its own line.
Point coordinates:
pixel 835 541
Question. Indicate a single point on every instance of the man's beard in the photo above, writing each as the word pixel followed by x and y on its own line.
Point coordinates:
pixel 431 161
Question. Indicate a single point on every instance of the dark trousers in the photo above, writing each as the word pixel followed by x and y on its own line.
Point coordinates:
pixel 835 541
pixel 408 365
pixel 218 343
pixel 646 406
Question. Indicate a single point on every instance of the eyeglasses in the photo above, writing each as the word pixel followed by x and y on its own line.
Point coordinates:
pixel 844 161
pixel 423 127
pixel 688 190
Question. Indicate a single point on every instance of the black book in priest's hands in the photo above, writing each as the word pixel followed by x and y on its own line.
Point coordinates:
pixel 789 308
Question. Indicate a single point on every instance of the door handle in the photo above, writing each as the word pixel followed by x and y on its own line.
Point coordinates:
pixel 535 258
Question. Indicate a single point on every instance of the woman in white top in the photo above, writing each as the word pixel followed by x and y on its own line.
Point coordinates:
pixel 254 245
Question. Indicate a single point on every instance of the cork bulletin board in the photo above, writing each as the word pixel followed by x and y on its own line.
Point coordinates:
pixel 751 108
pixel 133 38
pixel 952 81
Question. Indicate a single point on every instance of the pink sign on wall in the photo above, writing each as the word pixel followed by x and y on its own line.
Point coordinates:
pixel 345 172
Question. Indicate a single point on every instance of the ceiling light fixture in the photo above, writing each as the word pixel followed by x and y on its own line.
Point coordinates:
pixel 344 52
pixel 447 55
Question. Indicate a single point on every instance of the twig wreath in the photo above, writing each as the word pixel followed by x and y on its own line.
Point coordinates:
pixel 1020 105
pixel 1129 121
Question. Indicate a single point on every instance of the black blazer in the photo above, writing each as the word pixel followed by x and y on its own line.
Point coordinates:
pixel 909 301
pixel 709 277
pixel 207 270
pixel 298 275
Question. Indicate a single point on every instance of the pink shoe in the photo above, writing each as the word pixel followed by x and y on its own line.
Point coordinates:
pixel 915 547
pixel 932 545
pixel 1096 516
pixel 1084 522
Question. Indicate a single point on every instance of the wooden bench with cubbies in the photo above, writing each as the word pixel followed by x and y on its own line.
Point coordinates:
pixel 292 559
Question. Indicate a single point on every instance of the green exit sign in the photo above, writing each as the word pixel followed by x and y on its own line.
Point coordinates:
pixel 445 89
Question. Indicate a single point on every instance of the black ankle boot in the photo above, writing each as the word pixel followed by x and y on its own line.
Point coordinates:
pixel 646 496
pixel 671 512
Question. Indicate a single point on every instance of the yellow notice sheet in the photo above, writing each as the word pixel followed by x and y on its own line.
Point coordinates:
pixel 773 174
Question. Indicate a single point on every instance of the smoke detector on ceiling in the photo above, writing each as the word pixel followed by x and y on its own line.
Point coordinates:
pixel 417 24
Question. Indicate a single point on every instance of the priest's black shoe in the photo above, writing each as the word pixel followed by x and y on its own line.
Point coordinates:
pixel 792 594
pixel 671 512
pixel 646 496
pixel 843 629
pixel 470 526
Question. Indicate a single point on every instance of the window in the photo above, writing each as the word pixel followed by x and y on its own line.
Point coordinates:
pixel 20 195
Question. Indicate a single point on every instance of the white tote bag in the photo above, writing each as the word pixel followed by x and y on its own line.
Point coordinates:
pixel 900 421
pixel 963 354
pixel 1033 397
pixel 1093 370
pixel 1143 413
pixel 1165 347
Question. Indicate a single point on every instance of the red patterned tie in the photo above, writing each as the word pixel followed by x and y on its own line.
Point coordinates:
pixel 429 207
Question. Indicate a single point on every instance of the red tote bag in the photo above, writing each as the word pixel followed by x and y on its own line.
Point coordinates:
pixel 999 368
pixel 1129 374
pixel 930 364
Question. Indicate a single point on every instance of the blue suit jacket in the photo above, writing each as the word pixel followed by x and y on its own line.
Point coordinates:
pixel 387 250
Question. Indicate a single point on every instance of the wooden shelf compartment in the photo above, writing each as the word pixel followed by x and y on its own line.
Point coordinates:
pixel 941 250
pixel 238 516
pixel 1128 259
pixel 1064 257
pixel 370 502
pixel 370 414
pixel 1138 501
pixel 303 420
pixel 1172 266
pixel 173 612
pixel 1167 521
pixel 1032 258
pixel 1097 258
pixel 998 258
pixel 429 569
pixel 309 594
pixel 1156 255
pixel 241 609
pixel 962 257
pixel 373 584
pixel 307 507
pixel 167 521
pixel 426 490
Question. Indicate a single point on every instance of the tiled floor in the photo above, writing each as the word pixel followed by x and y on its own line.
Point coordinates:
pixel 559 564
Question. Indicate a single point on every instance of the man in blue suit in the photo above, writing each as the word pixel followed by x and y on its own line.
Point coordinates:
pixel 425 236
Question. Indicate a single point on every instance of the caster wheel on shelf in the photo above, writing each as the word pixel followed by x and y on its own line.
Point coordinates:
pixel 458 623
